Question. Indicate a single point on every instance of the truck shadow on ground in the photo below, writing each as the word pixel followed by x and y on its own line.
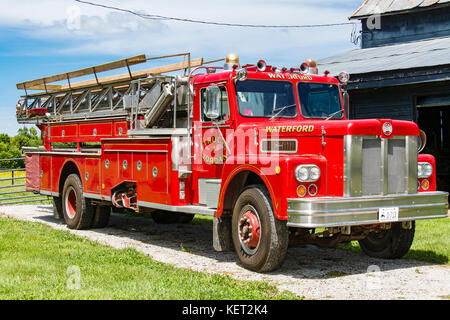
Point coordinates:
pixel 305 261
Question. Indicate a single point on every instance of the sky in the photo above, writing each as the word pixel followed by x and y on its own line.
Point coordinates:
pixel 46 37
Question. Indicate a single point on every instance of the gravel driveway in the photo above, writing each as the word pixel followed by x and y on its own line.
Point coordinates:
pixel 309 271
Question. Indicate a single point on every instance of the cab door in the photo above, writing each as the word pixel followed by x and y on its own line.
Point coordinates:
pixel 210 147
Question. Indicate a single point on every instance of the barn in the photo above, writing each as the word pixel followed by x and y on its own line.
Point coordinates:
pixel 402 69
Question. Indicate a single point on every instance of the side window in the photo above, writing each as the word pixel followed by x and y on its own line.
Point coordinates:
pixel 225 113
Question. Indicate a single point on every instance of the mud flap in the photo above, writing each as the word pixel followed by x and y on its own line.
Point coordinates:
pixel 222 240
pixel 32 182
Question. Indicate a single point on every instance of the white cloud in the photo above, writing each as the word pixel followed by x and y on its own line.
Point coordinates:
pixel 102 31
pixel 46 12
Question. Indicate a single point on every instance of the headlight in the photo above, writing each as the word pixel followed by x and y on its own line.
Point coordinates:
pixel 424 170
pixel 314 173
pixel 307 173
pixel 302 174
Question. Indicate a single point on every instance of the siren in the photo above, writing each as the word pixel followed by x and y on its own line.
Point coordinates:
pixel 309 66
pixel 261 65
pixel 303 66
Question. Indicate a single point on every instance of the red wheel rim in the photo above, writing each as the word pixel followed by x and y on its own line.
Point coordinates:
pixel 249 230
pixel 71 203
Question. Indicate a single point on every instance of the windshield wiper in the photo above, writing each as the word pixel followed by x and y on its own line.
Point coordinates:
pixel 334 113
pixel 281 109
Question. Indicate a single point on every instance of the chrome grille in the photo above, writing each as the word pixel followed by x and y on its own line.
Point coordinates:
pixel 397 166
pixel 371 167
pixel 375 166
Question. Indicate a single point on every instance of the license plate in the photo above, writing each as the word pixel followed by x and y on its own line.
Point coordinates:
pixel 388 214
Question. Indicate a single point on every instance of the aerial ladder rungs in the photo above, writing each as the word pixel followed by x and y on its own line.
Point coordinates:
pixel 104 97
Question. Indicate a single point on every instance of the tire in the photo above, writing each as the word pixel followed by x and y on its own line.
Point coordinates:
pixel 101 216
pixel 167 217
pixel 57 208
pixel 262 248
pixel 389 244
pixel 78 211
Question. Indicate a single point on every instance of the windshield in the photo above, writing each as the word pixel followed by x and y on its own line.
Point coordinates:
pixel 320 100
pixel 261 98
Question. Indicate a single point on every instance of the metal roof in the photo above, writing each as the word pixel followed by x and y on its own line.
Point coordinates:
pixel 371 7
pixel 417 54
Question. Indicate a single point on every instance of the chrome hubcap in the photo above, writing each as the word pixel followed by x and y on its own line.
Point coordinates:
pixel 249 229
pixel 70 202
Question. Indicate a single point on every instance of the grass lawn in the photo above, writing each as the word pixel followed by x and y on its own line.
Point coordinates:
pixel 38 262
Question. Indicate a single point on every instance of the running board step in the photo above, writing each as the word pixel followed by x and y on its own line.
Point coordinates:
pixel 192 209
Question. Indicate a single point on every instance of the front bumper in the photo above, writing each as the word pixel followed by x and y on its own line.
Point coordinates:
pixel 335 212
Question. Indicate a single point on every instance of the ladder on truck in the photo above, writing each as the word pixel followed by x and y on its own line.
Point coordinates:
pixel 145 98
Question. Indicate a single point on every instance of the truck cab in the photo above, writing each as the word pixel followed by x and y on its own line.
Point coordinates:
pixel 282 138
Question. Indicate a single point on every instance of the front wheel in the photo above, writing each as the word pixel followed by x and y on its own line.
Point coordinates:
pixel 388 244
pixel 260 239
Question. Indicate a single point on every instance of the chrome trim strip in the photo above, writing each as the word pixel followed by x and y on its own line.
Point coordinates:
pixel 327 212
pixel 412 158
pixel 158 131
pixel 136 151
pixel 347 165
pixel 96 196
pixel 374 197
pixel 184 209
pixel 213 126
pixel 384 166
pixel 261 143
pixel 362 222
pixel 353 166
pixel 347 212
pixel 49 193
pixel 60 153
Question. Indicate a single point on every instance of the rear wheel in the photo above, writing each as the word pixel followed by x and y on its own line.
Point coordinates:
pixel 389 244
pixel 77 210
pixel 260 239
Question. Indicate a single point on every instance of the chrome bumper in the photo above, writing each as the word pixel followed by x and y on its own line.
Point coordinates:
pixel 334 212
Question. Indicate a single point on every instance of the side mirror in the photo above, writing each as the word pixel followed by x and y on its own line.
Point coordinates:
pixel 213 103
pixel 346 98
pixel 422 141
pixel 241 75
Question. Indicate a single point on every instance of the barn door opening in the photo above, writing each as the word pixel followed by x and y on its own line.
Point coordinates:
pixel 433 117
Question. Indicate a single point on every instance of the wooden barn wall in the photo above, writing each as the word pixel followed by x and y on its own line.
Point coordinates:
pixel 381 103
pixel 407 27
pixel 397 102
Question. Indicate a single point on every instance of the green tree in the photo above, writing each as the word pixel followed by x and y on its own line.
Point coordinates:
pixel 11 147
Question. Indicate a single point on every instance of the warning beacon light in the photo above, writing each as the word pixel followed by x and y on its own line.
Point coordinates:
pixel 230 60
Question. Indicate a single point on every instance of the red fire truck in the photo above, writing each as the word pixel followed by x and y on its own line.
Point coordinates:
pixel 267 152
